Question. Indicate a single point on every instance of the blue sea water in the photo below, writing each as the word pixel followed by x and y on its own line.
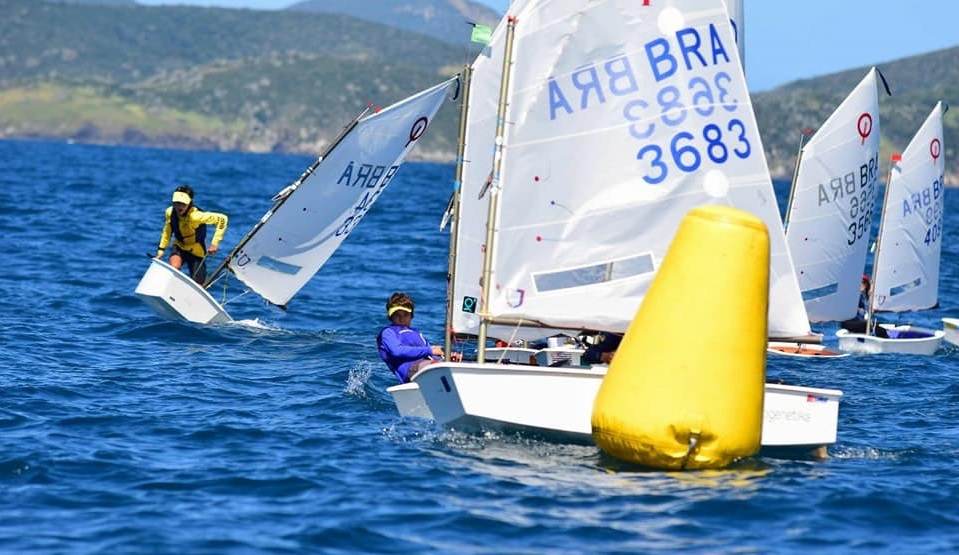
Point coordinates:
pixel 124 433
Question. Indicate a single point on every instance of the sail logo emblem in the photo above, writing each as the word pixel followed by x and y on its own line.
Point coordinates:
pixel 469 304
pixel 515 297
pixel 242 259
pixel 864 126
pixel 418 128
pixel 935 149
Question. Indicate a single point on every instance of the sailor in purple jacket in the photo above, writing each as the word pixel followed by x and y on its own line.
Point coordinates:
pixel 403 348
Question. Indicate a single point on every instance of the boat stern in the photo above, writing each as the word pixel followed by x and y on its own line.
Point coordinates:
pixel 800 416
pixel 409 401
pixel 554 403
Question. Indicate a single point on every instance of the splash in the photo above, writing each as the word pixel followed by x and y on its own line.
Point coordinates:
pixel 358 379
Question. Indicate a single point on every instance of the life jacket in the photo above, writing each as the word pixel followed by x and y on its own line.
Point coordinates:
pixel 199 233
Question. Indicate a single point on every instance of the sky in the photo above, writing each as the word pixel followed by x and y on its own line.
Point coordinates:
pixel 786 41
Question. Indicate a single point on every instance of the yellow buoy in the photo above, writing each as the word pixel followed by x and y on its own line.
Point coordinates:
pixel 685 389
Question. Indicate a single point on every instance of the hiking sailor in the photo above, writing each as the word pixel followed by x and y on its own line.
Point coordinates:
pixel 187 224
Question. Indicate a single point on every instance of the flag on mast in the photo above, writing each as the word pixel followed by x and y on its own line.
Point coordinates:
pixel 481 34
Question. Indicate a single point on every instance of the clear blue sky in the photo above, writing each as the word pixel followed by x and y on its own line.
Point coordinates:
pixel 786 41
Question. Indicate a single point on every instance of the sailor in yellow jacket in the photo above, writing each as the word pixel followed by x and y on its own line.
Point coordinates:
pixel 187 224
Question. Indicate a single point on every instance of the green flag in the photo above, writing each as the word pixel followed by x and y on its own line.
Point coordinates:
pixel 481 34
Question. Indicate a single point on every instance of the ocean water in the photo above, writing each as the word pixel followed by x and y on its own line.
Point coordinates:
pixel 124 433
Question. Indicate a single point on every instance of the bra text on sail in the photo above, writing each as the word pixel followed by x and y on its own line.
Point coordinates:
pixel 619 78
pixel 371 176
pixel 927 204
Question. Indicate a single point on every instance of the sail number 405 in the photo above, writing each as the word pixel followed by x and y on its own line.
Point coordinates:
pixel 933 233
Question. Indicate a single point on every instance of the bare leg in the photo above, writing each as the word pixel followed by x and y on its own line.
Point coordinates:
pixel 417 367
pixel 176 261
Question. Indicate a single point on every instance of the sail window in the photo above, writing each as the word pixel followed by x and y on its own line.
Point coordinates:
pixel 595 274
pixel 820 292
pixel 900 289
pixel 278 266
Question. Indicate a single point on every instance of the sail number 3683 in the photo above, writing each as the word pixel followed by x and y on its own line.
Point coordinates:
pixel 686 150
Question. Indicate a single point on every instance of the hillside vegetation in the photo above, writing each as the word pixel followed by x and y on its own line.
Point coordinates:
pixel 115 72
pixel 447 20
pixel 206 77
pixel 916 83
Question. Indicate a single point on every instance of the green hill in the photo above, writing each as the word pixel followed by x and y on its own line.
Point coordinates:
pixel 116 72
pixel 443 19
pixel 207 77
pixel 916 83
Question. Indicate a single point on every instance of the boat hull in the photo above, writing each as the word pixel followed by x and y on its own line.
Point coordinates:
pixel 557 404
pixel 950 329
pixel 174 295
pixel 911 341
pixel 803 350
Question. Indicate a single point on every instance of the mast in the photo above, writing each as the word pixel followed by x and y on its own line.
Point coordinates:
pixel 289 191
pixel 792 186
pixel 737 16
pixel 870 324
pixel 492 217
pixel 454 212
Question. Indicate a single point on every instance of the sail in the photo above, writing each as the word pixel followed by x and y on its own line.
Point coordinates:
pixel 832 205
pixel 623 117
pixel 297 237
pixel 907 260
pixel 477 164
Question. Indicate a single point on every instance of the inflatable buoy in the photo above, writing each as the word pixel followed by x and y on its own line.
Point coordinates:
pixel 685 388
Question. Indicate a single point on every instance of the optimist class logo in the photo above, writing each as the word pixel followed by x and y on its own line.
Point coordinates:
pixel 864 126
pixel 935 149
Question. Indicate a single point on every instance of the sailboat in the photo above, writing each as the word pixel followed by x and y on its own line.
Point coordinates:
pixel 310 218
pixel 905 274
pixel 830 210
pixel 593 129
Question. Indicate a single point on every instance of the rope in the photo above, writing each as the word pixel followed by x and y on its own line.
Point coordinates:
pixel 693 442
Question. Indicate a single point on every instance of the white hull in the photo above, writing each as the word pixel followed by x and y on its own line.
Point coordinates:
pixel 557 403
pixel 174 295
pixel 950 328
pixel 871 345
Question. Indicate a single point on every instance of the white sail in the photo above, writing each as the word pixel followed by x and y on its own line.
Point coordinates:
pixel 906 273
pixel 832 205
pixel 297 238
pixel 622 117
